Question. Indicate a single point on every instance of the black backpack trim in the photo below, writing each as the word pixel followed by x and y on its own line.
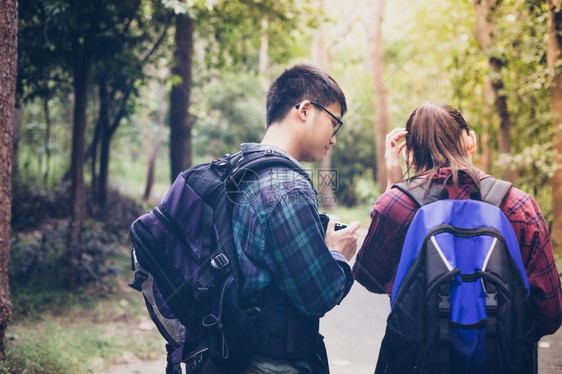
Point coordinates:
pixel 491 190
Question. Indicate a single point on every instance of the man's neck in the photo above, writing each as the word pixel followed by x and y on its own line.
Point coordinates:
pixel 281 138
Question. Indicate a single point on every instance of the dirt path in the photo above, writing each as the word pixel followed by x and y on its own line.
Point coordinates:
pixel 550 361
pixel 138 366
pixel 349 324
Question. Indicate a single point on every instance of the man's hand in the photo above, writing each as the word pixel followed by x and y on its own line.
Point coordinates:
pixel 344 240
pixel 394 172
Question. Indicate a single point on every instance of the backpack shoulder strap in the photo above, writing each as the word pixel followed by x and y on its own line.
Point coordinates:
pixel 418 192
pixel 493 190
pixel 263 159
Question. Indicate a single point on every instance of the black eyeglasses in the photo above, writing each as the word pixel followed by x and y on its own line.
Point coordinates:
pixel 339 122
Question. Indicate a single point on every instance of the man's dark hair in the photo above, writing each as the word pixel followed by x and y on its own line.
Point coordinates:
pixel 298 83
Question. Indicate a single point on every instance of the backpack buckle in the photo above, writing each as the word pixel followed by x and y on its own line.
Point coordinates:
pixel 222 163
pixel 491 301
pixel 140 277
pixel 219 261
pixel 444 304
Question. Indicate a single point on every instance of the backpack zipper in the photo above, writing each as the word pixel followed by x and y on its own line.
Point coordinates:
pixel 139 244
pixel 162 215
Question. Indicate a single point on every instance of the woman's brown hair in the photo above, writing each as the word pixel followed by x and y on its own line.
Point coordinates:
pixel 434 140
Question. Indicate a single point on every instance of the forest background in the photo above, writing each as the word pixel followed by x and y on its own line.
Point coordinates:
pixel 105 102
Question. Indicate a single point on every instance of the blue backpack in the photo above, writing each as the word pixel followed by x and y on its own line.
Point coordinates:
pixel 185 265
pixel 461 299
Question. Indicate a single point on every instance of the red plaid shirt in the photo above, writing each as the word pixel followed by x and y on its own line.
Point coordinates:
pixel 377 260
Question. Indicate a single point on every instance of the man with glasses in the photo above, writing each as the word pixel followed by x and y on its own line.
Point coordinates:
pixel 283 252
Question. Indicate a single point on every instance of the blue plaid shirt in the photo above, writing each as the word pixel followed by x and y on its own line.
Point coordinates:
pixel 280 241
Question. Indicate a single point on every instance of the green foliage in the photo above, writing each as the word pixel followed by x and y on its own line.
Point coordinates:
pixel 33 205
pixel 354 152
pixel 366 189
pixel 38 267
pixel 230 34
pixel 534 167
pixel 359 213
pixel 39 253
pixel 430 55
pixel 520 45
pixel 227 113
pixel 43 150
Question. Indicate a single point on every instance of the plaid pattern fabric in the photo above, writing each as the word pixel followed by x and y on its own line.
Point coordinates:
pixel 280 242
pixel 377 260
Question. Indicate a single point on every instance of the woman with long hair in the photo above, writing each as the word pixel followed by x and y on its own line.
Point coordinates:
pixel 437 146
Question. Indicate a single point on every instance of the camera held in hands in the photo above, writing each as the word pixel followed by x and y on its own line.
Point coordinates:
pixel 325 218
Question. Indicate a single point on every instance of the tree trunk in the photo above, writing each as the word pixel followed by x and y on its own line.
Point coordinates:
pixel 486 151
pixel 554 58
pixel 77 189
pixel 376 52
pixel 47 142
pixel 326 174
pixel 263 56
pixel 92 155
pixel 501 107
pixel 8 69
pixel 484 33
pixel 105 140
pixel 16 131
pixel 180 121
pixel 156 148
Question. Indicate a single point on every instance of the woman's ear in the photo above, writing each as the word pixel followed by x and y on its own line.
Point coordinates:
pixel 471 144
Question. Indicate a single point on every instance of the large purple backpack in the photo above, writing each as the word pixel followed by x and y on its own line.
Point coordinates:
pixel 185 265
pixel 461 299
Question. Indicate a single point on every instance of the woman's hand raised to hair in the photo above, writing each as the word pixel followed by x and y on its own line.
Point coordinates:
pixel 392 152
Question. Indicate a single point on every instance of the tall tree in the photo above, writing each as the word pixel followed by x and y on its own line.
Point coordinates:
pixel 58 42
pixel 321 57
pixel 8 67
pixel 484 33
pixel 554 61
pixel 68 41
pixel 131 41
pixel 264 54
pixel 81 72
pixel 486 153
pixel 180 120
pixel 156 142
pixel 373 21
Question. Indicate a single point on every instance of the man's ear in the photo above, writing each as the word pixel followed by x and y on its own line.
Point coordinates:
pixel 304 109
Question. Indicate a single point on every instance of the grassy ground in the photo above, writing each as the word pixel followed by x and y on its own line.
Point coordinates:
pixel 79 332
pixel 57 331
pixel 54 331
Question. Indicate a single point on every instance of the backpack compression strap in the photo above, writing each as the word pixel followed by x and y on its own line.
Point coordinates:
pixel 492 191
pixel 262 159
